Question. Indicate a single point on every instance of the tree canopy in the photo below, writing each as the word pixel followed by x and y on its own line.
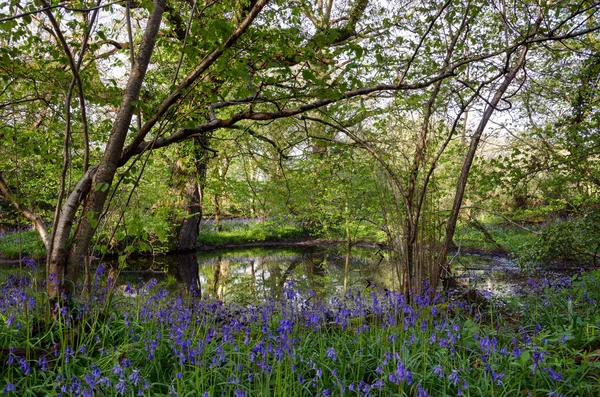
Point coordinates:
pixel 376 110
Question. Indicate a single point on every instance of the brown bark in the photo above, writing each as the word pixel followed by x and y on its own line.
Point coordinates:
pixel 64 260
pixel 193 194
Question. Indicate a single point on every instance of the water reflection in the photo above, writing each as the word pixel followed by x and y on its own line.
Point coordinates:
pixel 187 273
pixel 248 276
pixel 251 275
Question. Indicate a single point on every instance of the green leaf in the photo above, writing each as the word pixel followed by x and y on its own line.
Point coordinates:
pixel 525 356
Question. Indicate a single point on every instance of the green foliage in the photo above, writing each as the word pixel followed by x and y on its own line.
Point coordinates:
pixel 573 240
pixel 511 237
pixel 21 243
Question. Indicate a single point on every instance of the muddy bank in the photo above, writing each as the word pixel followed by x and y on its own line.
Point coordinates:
pixel 4 261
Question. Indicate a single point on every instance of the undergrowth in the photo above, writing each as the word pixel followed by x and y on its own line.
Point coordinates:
pixel 146 342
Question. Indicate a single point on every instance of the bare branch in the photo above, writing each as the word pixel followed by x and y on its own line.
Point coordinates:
pixel 64 6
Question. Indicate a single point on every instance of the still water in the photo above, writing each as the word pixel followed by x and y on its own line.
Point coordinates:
pixel 246 276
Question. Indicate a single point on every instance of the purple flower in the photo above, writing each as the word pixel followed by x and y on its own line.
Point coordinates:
pixel 43 363
pixel 24 366
pixel 104 381
pixel 240 392
pixel 403 374
pixel 422 392
pixel 30 263
pixel 121 387
pixel 497 377
pixel 9 387
pixel 135 377
pixel 453 377
pixel 331 353
pixel 554 375
pixel 538 357
pixel 517 352
pixel 438 371
pixel 117 370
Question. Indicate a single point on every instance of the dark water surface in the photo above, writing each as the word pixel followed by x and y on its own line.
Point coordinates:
pixel 247 276
pixel 250 275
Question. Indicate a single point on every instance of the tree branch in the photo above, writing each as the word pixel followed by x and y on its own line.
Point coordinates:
pixel 64 6
pixel 190 79
pixel 34 218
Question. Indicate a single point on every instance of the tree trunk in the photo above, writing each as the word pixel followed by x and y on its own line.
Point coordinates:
pixel 66 254
pixel 443 268
pixel 193 193
pixel 217 210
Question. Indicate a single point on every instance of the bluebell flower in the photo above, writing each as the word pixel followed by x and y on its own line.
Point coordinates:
pixel 563 339
pixel 331 353
pixel 453 377
pixel 24 366
pixel 121 387
pixel 11 319
pixel 135 376
pixel 517 352
pixel 42 363
pixel 9 387
pixel 422 392
pixel 117 370
pixel 240 392
pixel 497 377
pixel 104 381
pixel 554 375
pixel 403 374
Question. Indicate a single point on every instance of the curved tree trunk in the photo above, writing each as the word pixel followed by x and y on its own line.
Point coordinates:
pixel 66 253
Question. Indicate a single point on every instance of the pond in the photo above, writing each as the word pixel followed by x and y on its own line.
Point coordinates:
pixel 250 275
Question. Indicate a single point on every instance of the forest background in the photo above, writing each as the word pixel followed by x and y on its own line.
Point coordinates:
pixel 124 124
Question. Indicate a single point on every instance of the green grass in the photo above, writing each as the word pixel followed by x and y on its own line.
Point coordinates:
pixel 510 237
pixel 255 232
pixel 22 243
pixel 252 232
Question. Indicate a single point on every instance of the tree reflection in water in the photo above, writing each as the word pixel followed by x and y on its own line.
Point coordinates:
pixel 187 273
pixel 253 275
